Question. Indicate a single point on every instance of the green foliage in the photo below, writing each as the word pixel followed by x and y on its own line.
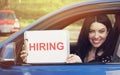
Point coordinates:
pixel 34 9
pixel 3 3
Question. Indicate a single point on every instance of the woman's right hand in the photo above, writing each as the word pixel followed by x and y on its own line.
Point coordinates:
pixel 23 54
pixel 72 58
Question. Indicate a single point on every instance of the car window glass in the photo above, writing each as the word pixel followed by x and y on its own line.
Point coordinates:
pixel 74 30
pixel 112 18
pixel 6 16
pixel 10 16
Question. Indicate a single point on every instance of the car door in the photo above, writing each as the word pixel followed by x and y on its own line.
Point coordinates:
pixel 61 19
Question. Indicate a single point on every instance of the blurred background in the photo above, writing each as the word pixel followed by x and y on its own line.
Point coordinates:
pixel 27 11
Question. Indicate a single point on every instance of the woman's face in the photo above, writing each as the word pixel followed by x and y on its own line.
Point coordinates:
pixel 97 34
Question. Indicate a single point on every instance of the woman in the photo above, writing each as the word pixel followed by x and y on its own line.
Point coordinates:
pixel 94 41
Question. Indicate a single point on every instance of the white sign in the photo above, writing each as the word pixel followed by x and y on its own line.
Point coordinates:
pixel 48 46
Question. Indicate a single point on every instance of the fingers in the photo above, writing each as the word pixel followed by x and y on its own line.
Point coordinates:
pixel 72 58
pixel 23 47
pixel 23 54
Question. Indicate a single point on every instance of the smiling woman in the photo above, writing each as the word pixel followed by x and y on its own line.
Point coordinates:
pixel 93 41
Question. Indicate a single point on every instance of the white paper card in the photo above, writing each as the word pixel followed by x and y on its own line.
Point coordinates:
pixel 47 46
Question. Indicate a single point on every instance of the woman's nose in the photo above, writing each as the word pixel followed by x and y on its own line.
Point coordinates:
pixel 96 35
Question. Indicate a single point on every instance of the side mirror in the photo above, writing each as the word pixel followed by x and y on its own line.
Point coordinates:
pixel 8 53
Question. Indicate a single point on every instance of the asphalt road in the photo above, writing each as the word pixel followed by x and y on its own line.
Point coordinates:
pixel 3 38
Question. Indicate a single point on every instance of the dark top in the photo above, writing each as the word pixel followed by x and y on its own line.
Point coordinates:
pixel 102 59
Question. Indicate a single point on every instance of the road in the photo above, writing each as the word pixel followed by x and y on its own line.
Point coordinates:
pixel 3 38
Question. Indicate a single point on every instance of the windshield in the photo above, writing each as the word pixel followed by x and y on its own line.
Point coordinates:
pixel 6 16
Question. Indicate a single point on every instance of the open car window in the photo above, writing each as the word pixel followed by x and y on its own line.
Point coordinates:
pixel 75 27
pixel 70 18
pixel 74 31
pixel 78 25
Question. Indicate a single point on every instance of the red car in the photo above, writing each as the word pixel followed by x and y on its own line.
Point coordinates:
pixel 8 22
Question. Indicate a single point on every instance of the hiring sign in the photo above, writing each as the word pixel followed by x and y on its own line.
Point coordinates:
pixel 48 46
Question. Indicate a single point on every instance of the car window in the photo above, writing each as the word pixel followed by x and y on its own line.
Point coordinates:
pixel 6 16
pixel 74 30
pixel 75 27
pixel 10 16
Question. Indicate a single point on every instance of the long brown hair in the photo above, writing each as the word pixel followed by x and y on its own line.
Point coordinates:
pixel 84 46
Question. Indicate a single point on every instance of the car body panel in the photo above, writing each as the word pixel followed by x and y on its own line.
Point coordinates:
pixel 76 69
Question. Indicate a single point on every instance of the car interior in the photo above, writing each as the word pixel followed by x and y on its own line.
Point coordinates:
pixel 116 55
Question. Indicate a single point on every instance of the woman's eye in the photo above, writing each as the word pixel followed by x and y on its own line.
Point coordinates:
pixel 91 31
pixel 101 31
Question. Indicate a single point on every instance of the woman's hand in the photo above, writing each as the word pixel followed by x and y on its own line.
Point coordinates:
pixel 72 58
pixel 23 54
